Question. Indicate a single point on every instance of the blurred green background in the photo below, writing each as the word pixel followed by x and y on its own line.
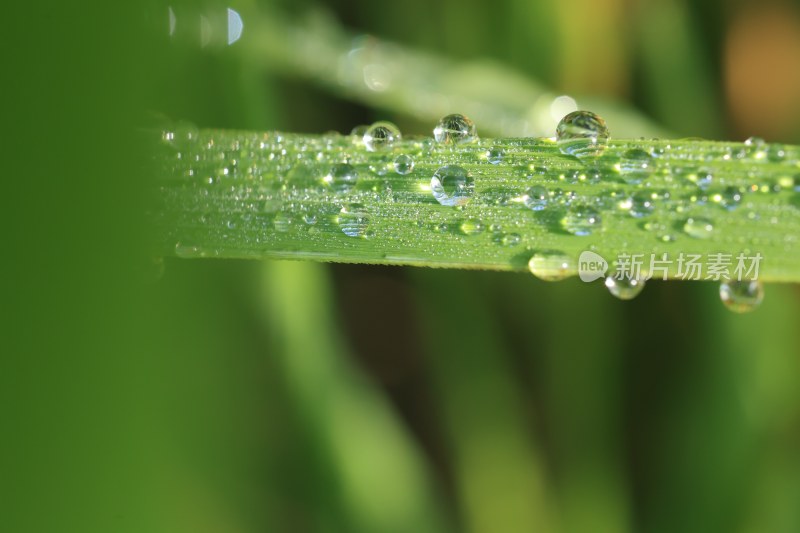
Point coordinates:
pixel 239 396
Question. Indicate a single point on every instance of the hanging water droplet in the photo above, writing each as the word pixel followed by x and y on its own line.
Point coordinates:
pixel 471 226
pixel 403 164
pixel 698 227
pixel 380 136
pixel 495 155
pixel 551 265
pixel 452 185
pixel 581 220
pixel 642 204
pixel 624 287
pixel 353 220
pixel 636 166
pixel 341 177
pixel 455 129
pixel 582 134
pixel 536 198
pixel 741 296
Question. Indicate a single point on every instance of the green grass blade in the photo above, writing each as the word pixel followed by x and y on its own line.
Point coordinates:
pixel 253 195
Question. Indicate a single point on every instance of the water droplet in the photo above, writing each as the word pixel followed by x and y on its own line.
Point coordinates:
pixel 495 155
pixel 341 178
pixel 729 198
pixel 581 220
pixel 624 287
pixel 756 147
pixel 536 198
pixel 471 226
pixel 510 239
pixel 452 185
pixel 403 164
pixel 642 204
pixel 582 134
pixel 353 220
pixel 455 129
pixel 636 165
pixel 381 136
pixel 282 223
pixel 359 131
pixel 551 265
pixel 741 296
pixel 698 227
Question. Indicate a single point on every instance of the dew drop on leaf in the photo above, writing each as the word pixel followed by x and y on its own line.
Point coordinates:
pixel 381 136
pixel 341 178
pixel 452 185
pixel 353 220
pixel 455 129
pixel 403 164
pixel 536 198
pixel 698 227
pixel 581 220
pixel 582 134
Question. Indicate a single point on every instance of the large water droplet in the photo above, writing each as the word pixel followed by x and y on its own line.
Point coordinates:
pixel 741 296
pixel 380 136
pixel 551 265
pixel 452 185
pixel 536 198
pixel 582 134
pixel 698 227
pixel 455 129
pixel 341 177
pixel 403 164
pixel 353 220
pixel 581 220
pixel 624 287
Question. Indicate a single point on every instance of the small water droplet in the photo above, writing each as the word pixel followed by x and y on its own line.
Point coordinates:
pixel 741 296
pixel 403 164
pixel 381 136
pixel 581 220
pixel 455 129
pixel 582 134
pixel 636 166
pixel 642 204
pixel 698 227
pixel 536 198
pixel 729 198
pixel 341 177
pixel 510 239
pixel 551 265
pixel 452 185
pixel 359 131
pixel 756 147
pixel 353 220
pixel 282 223
pixel 495 155
pixel 471 226
pixel 624 287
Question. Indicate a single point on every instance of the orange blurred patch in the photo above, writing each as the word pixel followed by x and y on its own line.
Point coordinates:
pixel 762 71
